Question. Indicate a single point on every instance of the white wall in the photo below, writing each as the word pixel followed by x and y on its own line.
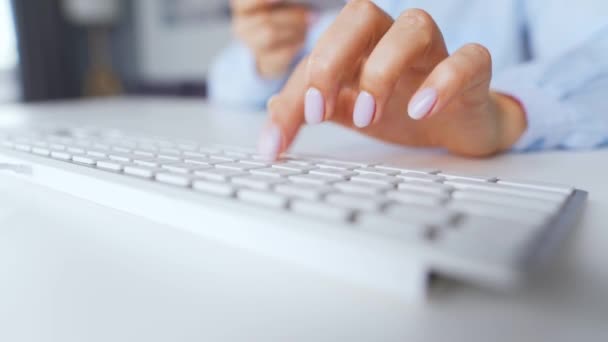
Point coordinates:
pixel 178 52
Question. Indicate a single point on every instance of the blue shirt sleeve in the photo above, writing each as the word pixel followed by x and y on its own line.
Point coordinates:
pixel 564 87
pixel 233 79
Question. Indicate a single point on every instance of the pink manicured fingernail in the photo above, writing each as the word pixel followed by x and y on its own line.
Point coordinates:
pixel 422 103
pixel 270 142
pixel 314 106
pixel 365 106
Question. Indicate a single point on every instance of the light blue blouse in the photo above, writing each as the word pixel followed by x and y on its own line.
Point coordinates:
pixel 550 54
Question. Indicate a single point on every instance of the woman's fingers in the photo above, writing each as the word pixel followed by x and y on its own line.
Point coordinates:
pixel 413 44
pixel 338 55
pixel 468 69
pixel 285 115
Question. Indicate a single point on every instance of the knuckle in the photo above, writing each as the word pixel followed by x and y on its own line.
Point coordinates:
pixel 449 73
pixel 481 53
pixel 376 78
pixel 420 18
pixel 362 6
pixel 320 67
pixel 423 23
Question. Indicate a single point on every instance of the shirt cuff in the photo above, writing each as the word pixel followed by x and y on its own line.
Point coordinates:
pixel 549 119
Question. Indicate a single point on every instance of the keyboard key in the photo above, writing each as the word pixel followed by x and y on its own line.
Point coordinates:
pixel 76 149
pixel 376 179
pixel 334 165
pixel 274 172
pixel 321 210
pixel 146 161
pixel 237 154
pixel 304 191
pixel 145 152
pixel 84 159
pixel 430 187
pixel 294 167
pixel 200 160
pixel 42 151
pixel 363 187
pixel 221 158
pixel 417 197
pixel 214 188
pixel 169 156
pixel 98 153
pixel 289 158
pixel 452 176
pixel 347 164
pixel 313 179
pixel 260 182
pixel 119 156
pixel 184 167
pixel 507 189
pixel 61 155
pixel 407 170
pixel 23 147
pixel 141 171
pixel 422 177
pixel 332 172
pixel 219 174
pixel 567 190
pixel 238 166
pixel 267 199
pixel 110 165
pixel 194 154
pixel 376 171
pixel 255 162
pixel 357 202
pixel 178 179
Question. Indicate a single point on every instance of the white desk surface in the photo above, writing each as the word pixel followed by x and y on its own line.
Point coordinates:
pixel 73 271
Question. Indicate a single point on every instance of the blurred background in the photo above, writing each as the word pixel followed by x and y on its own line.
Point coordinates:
pixel 65 49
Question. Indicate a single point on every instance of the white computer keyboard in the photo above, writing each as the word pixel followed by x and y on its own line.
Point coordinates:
pixel 372 224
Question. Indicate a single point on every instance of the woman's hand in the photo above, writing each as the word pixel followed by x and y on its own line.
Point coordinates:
pixel 275 32
pixel 394 80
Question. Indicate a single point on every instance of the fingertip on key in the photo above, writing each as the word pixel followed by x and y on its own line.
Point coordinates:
pixel 269 145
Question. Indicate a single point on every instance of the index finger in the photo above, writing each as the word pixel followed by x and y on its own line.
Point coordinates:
pixel 285 115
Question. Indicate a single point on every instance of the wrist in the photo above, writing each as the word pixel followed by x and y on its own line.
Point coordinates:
pixel 512 120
